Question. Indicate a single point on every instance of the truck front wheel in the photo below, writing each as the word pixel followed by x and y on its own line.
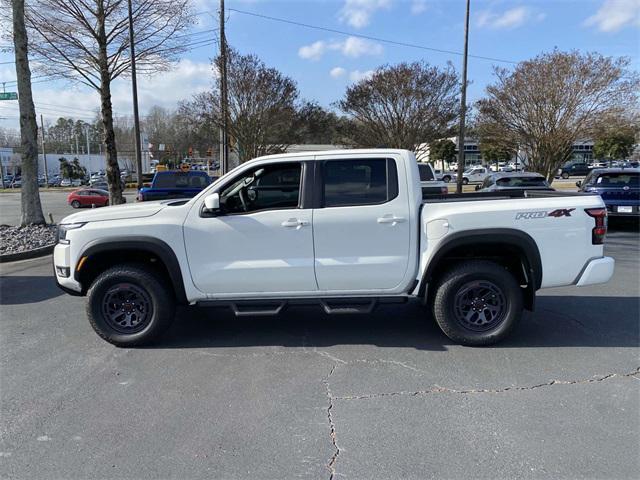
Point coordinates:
pixel 477 303
pixel 129 305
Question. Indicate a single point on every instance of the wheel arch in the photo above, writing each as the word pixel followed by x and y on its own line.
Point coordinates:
pixel 496 243
pixel 131 249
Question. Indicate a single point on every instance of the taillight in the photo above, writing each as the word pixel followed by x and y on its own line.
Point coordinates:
pixel 444 190
pixel 600 230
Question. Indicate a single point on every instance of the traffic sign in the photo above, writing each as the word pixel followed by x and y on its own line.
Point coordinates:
pixel 8 95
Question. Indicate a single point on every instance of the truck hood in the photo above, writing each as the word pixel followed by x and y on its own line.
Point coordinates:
pixel 116 212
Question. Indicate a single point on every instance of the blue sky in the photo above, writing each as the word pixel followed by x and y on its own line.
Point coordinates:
pixel 324 63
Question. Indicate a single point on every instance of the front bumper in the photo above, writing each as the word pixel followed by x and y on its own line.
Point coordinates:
pixel 597 270
pixel 62 258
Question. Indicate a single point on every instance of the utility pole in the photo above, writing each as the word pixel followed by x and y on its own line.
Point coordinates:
pixel 224 149
pixel 86 134
pixel 134 88
pixel 77 147
pixel 44 153
pixel 463 104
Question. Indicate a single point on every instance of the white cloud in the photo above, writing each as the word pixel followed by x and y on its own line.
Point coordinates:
pixel 511 18
pixel 357 75
pixel 614 15
pixel 337 72
pixel 358 13
pixel 418 7
pixel 313 51
pixel 352 47
pixel 355 47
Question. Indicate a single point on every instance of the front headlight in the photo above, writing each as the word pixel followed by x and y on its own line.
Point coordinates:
pixel 64 228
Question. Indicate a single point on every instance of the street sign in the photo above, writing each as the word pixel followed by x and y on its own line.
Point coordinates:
pixel 8 95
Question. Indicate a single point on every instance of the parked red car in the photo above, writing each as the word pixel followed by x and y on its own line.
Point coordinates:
pixel 86 197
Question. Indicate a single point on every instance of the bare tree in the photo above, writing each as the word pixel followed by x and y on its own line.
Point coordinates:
pixel 88 42
pixel 262 106
pixel 403 106
pixel 545 104
pixel 31 212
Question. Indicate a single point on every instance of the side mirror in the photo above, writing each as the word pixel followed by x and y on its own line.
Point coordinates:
pixel 212 202
pixel 579 183
pixel 477 187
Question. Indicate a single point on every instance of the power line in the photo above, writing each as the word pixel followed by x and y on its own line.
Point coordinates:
pixel 50 78
pixel 368 37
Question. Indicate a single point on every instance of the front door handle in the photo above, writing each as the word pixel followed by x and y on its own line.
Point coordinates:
pixel 392 219
pixel 294 223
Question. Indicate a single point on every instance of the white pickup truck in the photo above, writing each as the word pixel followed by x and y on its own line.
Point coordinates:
pixel 347 230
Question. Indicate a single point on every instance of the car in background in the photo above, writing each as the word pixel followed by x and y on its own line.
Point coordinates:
pixel 65 182
pixel 599 165
pixel 88 197
pixel 509 181
pixel 475 174
pixel 446 176
pixel 574 170
pixel 54 181
pixel 618 187
pixel 429 182
pixel 76 182
pixel 174 184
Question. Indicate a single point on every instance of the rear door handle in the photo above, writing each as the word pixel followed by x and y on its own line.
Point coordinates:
pixel 390 218
pixel 294 223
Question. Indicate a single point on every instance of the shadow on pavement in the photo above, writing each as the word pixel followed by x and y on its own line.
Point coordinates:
pixel 19 290
pixel 569 321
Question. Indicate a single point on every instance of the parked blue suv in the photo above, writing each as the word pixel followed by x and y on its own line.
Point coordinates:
pixel 618 187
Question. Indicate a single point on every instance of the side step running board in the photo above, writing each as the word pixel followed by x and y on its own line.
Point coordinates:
pixel 331 306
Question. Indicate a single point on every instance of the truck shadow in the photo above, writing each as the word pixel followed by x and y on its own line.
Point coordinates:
pixel 21 290
pixel 568 321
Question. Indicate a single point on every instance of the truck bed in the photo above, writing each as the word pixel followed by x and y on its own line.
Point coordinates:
pixel 507 195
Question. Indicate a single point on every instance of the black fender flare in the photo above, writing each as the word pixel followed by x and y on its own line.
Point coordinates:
pixel 142 243
pixel 495 236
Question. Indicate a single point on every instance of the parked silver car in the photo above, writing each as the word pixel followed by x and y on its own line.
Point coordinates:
pixel 502 181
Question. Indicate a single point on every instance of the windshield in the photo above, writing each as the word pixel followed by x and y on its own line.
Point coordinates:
pixel 622 179
pixel 179 180
pixel 522 182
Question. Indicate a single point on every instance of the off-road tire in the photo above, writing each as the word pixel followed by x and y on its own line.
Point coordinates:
pixel 158 296
pixel 449 295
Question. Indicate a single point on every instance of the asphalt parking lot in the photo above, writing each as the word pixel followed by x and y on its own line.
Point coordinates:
pixel 306 395
pixel 54 202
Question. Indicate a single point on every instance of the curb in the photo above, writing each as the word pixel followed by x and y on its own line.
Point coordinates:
pixel 36 252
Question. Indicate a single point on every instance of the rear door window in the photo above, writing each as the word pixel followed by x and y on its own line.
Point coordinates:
pixel 359 182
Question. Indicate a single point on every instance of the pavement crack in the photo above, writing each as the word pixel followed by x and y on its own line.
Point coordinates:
pixel 331 466
pixel 388 362
pixel 438 389
pixel 329 356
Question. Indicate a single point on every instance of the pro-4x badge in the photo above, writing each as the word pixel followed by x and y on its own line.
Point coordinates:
pixel 560 212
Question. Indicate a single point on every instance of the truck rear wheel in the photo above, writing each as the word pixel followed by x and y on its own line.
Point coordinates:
pixel 128 305
pixel 477 303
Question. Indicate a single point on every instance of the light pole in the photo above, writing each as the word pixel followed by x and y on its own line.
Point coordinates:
pixel 134 89
pixel 463 104
pixel 224 149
